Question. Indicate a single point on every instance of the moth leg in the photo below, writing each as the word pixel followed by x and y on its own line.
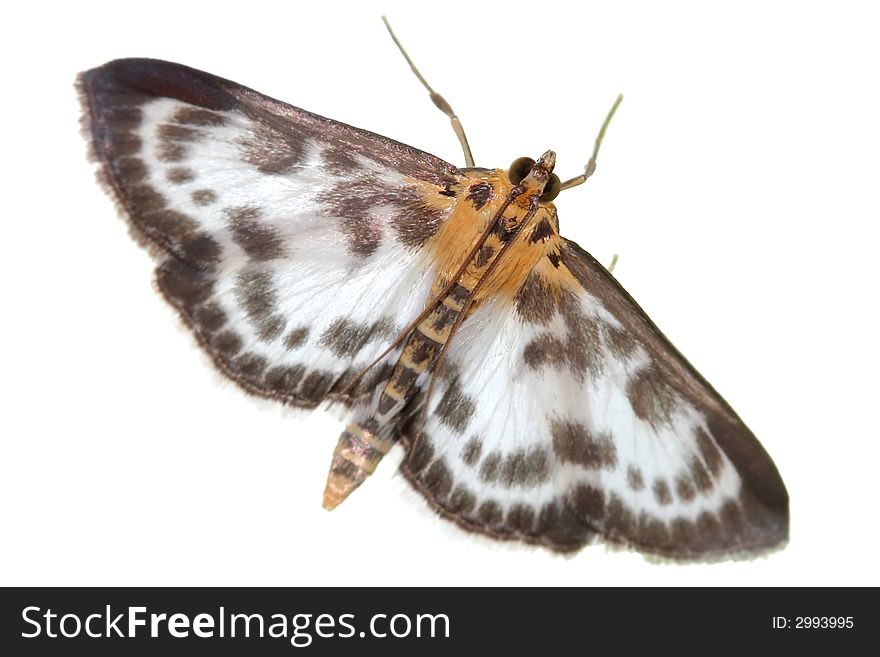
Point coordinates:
pixel 591 165
pixel 612 264
pixel 438 100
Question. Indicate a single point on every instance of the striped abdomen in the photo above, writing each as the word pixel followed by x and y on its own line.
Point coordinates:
pixel 364 442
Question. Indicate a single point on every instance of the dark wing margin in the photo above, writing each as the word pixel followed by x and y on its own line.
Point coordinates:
pixel 109 91
pixel 761 518
pixel 554 525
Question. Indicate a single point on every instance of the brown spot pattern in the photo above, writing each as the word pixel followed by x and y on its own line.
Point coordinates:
pixel 180 175
pixel 589 502
pixel 684 488
pixel 652 531
pixel 559 524
pixel 619 520
pixel 490 513
pixel 198 116
pixel 472 450
pixel 521 518
pixel 521 468
pixel 634 478
pixel 361 206
pixel 250 366
pixel 662 493
pixel 172 140
pixel 651 396
pixel 438 479
pixel 256 293
pixel 258 239
pixel 127 143
pixel 582 350
pixel 461 501
pixel 354 204
pixel 455 408
pixel 479 194
pixel 316 385
pixel 271 327
pixel 285 378
pixel 272 151
pixel 526 468
pixel 131 169
pixel 296 338
pixel 490 467
pixel 415 223
pixel 345 338
pixel 700 476
pixel 542 232
pixel 185 284
pixel 210 317
pixel 535 300
pixel 364 235
pixel 204 197
pixel 574 443
pixel 227 343
pixel 544 350
pixel 680 538
pixel 170 151
pixel 621 343
pixel 421 454
pixel 201 249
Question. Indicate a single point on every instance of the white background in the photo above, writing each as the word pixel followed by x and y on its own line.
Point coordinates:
pixel 738 182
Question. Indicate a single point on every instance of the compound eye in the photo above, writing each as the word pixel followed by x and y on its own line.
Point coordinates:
pixel 520 169
pixel 551 189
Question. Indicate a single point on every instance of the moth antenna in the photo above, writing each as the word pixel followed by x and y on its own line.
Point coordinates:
pixel 612 264
pixel 439 101
pixel 591 165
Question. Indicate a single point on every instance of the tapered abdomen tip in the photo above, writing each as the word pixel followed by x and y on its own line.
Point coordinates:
pixel 356 456
pixel 329 502
pixel 343 478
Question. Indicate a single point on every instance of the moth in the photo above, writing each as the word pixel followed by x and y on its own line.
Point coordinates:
pixel 440 305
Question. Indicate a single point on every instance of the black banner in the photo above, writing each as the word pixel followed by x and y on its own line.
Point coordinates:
pixel 400 621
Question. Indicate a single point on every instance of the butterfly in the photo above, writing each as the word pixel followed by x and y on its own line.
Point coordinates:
pixel 319 263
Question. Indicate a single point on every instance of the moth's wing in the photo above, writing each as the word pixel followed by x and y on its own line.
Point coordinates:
pixel 290 244
pixel 560 418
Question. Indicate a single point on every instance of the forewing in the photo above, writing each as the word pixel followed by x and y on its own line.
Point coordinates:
pixel 565 413
pixel 290 243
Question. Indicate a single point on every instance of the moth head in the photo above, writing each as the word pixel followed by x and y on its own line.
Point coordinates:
pixel 538 177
